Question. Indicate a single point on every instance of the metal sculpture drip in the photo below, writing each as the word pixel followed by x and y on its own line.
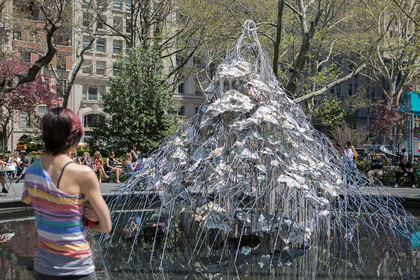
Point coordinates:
pixel 248 186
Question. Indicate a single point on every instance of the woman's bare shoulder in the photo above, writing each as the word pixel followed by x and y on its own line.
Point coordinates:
pixel 81 172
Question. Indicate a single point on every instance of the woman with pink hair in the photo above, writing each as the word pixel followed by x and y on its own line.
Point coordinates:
pixel 63 195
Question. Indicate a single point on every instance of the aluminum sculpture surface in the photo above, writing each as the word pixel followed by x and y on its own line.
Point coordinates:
pixel 248 186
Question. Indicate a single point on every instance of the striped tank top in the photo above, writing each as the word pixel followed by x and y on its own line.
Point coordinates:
pixel 63 247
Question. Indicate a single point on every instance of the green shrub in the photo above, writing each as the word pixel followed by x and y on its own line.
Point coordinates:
pixel 363 165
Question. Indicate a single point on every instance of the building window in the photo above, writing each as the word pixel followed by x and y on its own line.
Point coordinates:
pixel 100 67
pixel 87 19
pixel 86 42
pixel 61 62
pixel 117 46
pixel 117 4
pixel 93 93
pixel 101 22
pixel 26 57
pixel 117 23
pixel 101 92
pixel 127 50
pixel 338 90
pixel 100 45
pixel 196 109
pixel 61 87
pixel 33 36
pixel 128 26
pixel 181 111
pixel 17 35
pixel 332 91
pixel 350 89
pixel 102 3
pixel 47 83
pixel 87 67
pixel 181 88
pixel 42 109
pixel 115 70
pixel 197 92
pixel 128 5
pixel 91 120
pixel 23 120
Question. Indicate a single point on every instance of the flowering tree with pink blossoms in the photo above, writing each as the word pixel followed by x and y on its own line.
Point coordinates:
pixel 387 118
pixel 25 98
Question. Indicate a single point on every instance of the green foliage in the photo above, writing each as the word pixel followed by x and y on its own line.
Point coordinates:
pixel 330 113
pixel 325 75
pixel 80 154
pixel 140 108
pixel 363 165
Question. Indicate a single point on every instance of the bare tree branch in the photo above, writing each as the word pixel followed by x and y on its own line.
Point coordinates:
pixel 332 84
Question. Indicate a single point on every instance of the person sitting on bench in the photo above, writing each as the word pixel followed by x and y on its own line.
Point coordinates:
pixel 24 163
pixel 405 169
pixel 97 166
pixel 376 167
pixel 110 166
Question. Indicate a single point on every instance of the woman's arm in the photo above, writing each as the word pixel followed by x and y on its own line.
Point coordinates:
pixel 89 186
pixel 130 166
pixel 134 155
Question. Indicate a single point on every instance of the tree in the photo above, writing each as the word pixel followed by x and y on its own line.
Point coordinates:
pixel 390 47
pixel 165 25
pixel 25 98
pixel 343 133
pixel 73 31
pixel 301 36
pixel 53 15
pixel 330 113
pixel 140 109
pixel 387 118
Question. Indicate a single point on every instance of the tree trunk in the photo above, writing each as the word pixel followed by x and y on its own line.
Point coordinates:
pixel 280 9
pixel 300 63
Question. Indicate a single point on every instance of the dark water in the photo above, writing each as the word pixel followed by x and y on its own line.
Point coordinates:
pixel 17 255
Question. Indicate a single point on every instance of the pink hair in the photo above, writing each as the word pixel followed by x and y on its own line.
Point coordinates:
pixel 76 124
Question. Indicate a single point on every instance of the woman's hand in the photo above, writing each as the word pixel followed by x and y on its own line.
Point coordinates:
pixel 89 213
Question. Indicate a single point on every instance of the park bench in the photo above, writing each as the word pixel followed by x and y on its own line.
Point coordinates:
pixel 110 179
pixel 388 176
